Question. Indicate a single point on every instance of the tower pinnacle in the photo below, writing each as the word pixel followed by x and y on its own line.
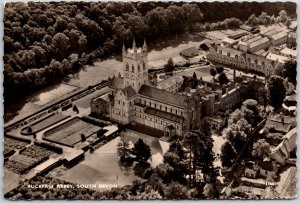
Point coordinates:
pixel 145 46
pixel 134 45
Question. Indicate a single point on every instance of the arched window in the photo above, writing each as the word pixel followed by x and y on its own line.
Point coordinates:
pixel 139 68
pixel 263 63
pixel 228 54
pixel 236 56
pixel 127 67
pixel 144 66
pixel 255 61
pixel 220 52
pixel 132 70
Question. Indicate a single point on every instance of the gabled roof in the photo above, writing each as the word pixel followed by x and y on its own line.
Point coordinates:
pixel 259 42
pixel 279 35
pixel 164 115
pixel 226 50
pixel 128 91
pixel 162 95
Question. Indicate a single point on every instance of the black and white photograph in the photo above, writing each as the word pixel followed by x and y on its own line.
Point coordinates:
pixel 149 100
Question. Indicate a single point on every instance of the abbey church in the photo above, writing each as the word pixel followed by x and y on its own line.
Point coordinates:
pixel 133 99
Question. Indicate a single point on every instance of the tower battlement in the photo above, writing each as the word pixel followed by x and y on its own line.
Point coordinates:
pixel 135 52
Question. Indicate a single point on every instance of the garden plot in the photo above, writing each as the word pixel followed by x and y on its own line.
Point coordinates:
pixel 46 122
pixel 69 133
pixel 27 159
pixel 11 145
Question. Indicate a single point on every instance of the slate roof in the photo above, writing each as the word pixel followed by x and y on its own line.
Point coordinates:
pixel 117 82
pixel 164 115
pixel 253 39
pixel 162 95
pixel 128 91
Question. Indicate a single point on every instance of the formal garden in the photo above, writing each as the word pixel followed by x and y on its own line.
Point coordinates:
pixel 71 132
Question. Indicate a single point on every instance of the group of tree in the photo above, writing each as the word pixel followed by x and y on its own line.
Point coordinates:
pixel 241 122
pixel 276 91
pixel 43 42
pixel 265 19
pixel 222 77
pixel 229 23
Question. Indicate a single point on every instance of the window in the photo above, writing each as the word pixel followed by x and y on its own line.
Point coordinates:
pixel 144 66
pixel 139 68
pixel 123 103
pixel 119 102
pixel 166 109
pixel 171 110
pixel 132 68
pixel 127 67
pixel 176 111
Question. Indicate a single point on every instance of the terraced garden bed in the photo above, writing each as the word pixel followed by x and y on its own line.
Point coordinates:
pixel 43 123
pixel 27 159
pixel 13 143
pixel 69 133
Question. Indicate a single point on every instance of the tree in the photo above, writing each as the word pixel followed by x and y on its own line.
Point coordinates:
pixel 222 78
pixel 288 22
pixel 83 138
pixel 169 67
pixel 261 149
pixel 175 191
pixel 282 16
pixel 276 91
pixel 290 70
pixel 142 151
pixel 228 154
pixel 219 69
pixel 123 150
pixel 213 72
pixel 252 20
pixel 251 111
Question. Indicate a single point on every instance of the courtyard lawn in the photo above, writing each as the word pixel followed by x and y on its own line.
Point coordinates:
pixel 100 167
pixel 10 180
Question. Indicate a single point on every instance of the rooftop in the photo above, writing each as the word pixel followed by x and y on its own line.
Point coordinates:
pixel 259 42
pixel 253 39
pixel 276 57
pixel 162 95
pixel 279 35
pixel 128 91
pixel 169 82
pixel 226 50
pixel 164 115
pixel 289 51
pixel 271 32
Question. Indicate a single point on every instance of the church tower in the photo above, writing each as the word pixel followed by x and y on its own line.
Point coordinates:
pixel 135 66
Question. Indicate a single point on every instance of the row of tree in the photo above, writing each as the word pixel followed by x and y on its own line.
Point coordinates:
pixel 265 19
pixel 38 36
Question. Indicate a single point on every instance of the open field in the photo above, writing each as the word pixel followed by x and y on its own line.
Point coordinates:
pixel 10 180
pixel 69 133
pixel 100 167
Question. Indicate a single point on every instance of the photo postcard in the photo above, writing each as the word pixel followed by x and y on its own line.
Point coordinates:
pixel 149 100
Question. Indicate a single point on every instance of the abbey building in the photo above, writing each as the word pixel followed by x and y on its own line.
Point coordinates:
pixel 133 100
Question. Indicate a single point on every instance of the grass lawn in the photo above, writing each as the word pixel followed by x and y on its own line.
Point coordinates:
pixel 100 167
pixel 10 180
